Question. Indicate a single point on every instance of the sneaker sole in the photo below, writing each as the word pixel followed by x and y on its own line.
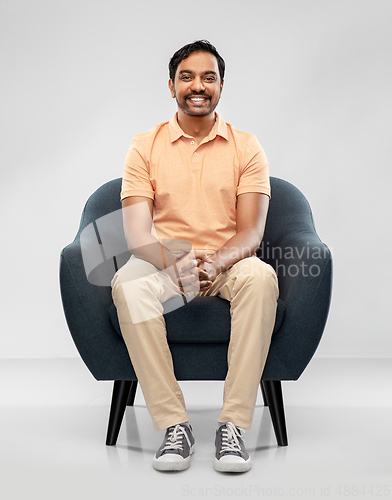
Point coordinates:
pixel 171 462
pixel 230 463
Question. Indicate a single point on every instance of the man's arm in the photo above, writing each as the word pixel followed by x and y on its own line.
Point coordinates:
pixel 252 211
pixel 137 219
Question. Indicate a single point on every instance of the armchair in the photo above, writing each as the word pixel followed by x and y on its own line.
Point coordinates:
pixel 290 244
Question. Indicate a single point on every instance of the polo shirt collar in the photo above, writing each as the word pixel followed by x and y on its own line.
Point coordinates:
pixel 219 128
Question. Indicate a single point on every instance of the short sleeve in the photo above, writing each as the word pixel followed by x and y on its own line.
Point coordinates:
pixel 254 172
pixel 136 175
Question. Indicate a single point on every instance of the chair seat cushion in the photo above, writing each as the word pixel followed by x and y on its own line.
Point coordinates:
pixel 204 320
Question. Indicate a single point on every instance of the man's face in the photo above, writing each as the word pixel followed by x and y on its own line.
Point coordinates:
pixel 197 86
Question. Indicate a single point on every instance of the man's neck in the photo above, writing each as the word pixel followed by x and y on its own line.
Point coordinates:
pixel 196 127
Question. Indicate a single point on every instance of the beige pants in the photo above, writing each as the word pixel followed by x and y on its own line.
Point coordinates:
pixel 251 286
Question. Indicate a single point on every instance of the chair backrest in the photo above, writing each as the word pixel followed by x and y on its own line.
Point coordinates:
pixel 103 201
pixel 287 205
pixel 101 234
pixel 289 213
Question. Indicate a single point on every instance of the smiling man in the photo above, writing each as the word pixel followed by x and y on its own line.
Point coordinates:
pixel 199 180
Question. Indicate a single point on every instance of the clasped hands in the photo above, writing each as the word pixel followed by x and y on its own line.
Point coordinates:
pixel 196 271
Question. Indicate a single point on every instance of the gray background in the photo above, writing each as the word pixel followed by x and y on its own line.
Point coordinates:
pixel 311 79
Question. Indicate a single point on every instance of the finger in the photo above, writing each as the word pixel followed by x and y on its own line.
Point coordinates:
pixel 189 266
pixel 186 263
pixel 190 288
pixel 189 277
pixel 192 271
pixel 200 253
pixel 206 258
pixel 203 275
pixel 186 289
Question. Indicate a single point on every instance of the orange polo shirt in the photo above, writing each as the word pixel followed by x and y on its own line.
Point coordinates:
pixel 195 186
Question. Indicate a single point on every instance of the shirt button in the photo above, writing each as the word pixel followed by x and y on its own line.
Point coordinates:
pixel 192 142
pixel 194 154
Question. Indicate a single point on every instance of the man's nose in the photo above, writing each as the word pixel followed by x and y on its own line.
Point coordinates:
pixel 197 84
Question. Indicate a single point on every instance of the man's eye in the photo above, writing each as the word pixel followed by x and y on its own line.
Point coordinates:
pixel 185 78
pixel 210 79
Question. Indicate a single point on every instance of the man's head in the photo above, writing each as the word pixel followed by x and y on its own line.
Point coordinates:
pixel 187 50
pixel 196 78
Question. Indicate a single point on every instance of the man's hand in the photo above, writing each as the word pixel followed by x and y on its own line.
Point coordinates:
pixel 208 269
pixel 193 277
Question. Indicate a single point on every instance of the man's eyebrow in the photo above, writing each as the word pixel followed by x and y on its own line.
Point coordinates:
pixel 192 72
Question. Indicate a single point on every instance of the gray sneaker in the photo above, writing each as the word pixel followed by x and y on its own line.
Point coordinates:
pixel 176 449
pixel 231 454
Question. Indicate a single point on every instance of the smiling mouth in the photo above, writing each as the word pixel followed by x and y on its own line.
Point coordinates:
pixel 198 100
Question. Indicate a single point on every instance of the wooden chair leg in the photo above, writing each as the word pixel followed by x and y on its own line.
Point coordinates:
pixel 121 390
pixel 273 392
pixel 132 393
pixel 263 394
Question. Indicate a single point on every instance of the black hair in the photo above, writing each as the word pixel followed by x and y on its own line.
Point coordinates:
pixel 197 46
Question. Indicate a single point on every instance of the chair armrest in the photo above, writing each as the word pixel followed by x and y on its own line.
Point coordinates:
pixel 86 309
pixel 304 268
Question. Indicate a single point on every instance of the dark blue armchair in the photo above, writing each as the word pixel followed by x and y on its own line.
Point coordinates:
pixel 290 244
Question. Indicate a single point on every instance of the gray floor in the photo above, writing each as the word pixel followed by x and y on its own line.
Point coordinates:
pixel 53 421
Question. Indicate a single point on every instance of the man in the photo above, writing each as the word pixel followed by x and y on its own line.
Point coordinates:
pixel 196 179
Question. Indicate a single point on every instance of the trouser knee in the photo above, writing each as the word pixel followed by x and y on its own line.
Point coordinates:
pixel 257 275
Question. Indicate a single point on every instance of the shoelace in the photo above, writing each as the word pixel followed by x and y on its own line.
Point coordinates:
pixel 230 434
pixel 174 439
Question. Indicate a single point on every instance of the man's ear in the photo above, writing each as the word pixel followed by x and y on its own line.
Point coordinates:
pixel 171 87
pixel 221 86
